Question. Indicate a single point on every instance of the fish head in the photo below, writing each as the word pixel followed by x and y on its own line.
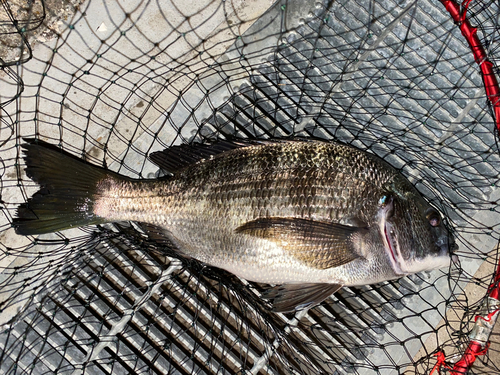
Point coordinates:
pixel 413 232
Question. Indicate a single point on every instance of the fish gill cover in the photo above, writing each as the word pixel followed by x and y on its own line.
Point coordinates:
pixel 112 82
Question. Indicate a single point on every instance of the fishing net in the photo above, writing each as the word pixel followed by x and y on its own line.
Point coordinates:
pixel 112 81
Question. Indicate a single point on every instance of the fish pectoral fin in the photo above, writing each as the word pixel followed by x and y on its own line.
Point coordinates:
pixel 294 297
pixel 317 244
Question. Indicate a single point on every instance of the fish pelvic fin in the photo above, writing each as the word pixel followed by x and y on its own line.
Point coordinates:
pixel 318 244
pixel 295 297
pixel 67 188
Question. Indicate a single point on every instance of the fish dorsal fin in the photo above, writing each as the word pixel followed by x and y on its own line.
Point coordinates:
pixel 318 244
pixel 175 158
pixel 295 297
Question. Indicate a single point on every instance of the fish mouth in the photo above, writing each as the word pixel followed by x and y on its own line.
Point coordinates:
pixel 401 268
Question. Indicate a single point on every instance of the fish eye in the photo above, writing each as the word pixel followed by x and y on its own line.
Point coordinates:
pixel 434 221
pixel 384 200
pixel 434 218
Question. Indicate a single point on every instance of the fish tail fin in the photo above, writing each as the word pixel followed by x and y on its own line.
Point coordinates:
pixel 66 196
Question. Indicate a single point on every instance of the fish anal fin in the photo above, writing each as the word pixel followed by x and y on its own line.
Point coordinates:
pixel 295 297
pixel 318 244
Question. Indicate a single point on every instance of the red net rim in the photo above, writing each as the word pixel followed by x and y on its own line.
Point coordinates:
pixel 459 14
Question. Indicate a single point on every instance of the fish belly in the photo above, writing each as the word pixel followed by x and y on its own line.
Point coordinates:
pixel 251 258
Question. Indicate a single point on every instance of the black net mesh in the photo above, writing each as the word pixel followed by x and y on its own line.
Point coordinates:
pixel 112 81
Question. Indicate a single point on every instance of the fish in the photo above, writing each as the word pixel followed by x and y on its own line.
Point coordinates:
pixel 307 217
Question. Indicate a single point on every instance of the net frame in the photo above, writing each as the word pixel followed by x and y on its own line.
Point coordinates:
pixel 485 321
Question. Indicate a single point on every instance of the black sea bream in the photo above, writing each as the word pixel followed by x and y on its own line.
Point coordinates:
pixel 307 216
